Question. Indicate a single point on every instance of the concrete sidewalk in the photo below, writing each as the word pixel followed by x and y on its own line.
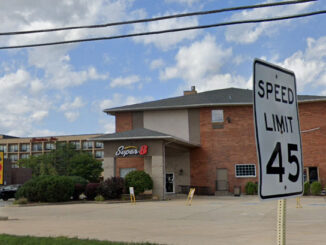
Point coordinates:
pixel 210 220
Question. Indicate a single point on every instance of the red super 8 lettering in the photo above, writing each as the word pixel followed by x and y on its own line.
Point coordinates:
pixel 143 150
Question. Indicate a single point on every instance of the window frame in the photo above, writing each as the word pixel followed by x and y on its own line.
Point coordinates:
pixel 245 176
pixel 218 116
pixel 131 169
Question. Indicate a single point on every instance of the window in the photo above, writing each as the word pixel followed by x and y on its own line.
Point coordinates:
pixel 3 148
pixel 24 147
pixel 87 145
pixel 61 143
pixel 49 146
pixel 245 170
pixel 99 154
pixel 13 148
pixel 76 144
pixel 37 147
pixel 99 144
pixel 125 171
pixel 13 157
pixel 217 116
pixel 24 156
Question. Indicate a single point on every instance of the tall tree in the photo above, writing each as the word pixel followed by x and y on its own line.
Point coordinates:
pixel 65 160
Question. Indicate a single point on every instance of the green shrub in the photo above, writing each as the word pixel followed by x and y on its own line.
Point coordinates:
pixel 111 188
pixel 91 190
pixel 306 188
pixel 315 188
pixel 140 180
pixel 99 198
pixel 21 200
pixel 251 188
pixel 79 186
pixel 47 189
pixel 30 189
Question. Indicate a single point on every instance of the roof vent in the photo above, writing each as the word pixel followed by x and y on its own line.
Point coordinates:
pixel 192 91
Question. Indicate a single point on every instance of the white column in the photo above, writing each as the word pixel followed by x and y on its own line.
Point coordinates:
pixel 108 167
pixel 158 176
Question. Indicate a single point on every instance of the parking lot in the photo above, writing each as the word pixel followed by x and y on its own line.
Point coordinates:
pixel 210 220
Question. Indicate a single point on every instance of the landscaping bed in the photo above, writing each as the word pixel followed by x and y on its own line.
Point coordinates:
pixel 29 240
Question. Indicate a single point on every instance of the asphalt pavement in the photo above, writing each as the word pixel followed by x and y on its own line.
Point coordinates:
pixel 210 220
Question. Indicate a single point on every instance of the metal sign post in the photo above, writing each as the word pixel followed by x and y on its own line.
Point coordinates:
pixel 281 222
pixel 278 138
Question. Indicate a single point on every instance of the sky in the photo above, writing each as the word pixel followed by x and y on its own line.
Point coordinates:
pixel 63 89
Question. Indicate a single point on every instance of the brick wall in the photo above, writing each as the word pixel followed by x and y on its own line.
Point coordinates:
pixel 313 115
pixel 123 121
pixel 129 162
pixel 224 147
pixel 235 144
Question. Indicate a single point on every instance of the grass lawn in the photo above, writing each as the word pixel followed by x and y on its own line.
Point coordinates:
pixel 28 240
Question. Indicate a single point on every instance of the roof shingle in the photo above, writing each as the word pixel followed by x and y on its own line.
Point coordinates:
pixel 228 96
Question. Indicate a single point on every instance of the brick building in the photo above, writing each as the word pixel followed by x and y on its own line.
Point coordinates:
pixel 16 148
pixel 204 139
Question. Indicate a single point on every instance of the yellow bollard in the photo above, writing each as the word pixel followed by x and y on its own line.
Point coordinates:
pixel 298 202
pixel 132 195
pixel 190 196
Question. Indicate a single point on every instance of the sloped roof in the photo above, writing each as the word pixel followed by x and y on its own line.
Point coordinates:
pixel 141 134
pixel 228 96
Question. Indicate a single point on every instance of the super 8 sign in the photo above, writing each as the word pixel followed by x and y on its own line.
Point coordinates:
pixel 277 130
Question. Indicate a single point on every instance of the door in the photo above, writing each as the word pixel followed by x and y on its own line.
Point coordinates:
pixel 169 182
pixel 313 174
pixel 222 183
pixel 310 174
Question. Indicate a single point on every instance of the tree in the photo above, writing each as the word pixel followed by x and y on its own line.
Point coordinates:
pixel 86 166
pixel 40 165
pixel 140 180
pixel 65 160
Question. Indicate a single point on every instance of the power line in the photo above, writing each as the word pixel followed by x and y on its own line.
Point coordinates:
pixel 168 30
pixel 158 18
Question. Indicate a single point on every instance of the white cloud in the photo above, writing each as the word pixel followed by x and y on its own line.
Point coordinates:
pixel 32 81
pixel 75 104
pixel 39 115
pixel 59 73
pixel 126 82
pixel 71 115
pixel 108 124
pixel 188 2
pixel 121 100
pixel 168 40
pixel 309 66
pixel 155 64
pixel 36 86
pixel 199 60
pixel 200 64
pixel 71 109
pixel 20 112
pixel 249 33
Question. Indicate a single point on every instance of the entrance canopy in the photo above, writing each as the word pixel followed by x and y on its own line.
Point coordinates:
pixel 143 134
pixel 160 155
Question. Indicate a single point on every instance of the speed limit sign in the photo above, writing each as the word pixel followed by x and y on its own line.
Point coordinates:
pixel 277 131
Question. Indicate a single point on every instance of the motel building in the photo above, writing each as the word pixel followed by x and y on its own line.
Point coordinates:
pixel 204 140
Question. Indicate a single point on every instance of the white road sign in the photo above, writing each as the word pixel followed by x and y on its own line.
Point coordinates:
pixel 277 128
